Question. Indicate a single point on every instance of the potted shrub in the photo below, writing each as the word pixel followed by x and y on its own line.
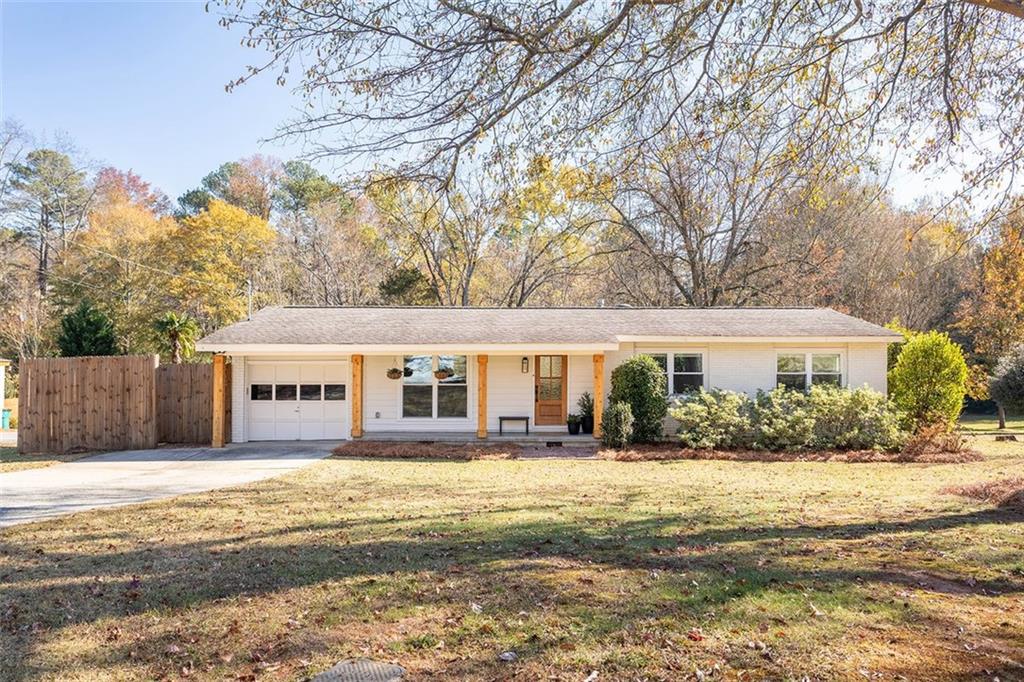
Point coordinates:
pixel 395 373
pixel 586 405
pixel 574 422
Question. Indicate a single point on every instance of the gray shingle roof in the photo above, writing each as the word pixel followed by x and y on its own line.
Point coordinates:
pixel 395 326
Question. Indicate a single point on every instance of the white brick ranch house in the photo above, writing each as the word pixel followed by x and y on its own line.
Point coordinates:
pixel 338 372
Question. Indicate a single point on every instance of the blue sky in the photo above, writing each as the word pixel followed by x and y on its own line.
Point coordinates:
pixel 140 85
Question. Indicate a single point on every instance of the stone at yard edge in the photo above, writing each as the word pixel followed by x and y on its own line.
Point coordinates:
pixel 508 657
pixel 361 670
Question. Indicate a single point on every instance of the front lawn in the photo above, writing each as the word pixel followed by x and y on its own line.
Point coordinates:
pixel 636 570
pixel 989 423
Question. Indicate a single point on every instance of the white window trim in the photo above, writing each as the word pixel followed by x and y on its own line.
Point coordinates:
pixel 434 383
pixel 809 363
pixel 670 366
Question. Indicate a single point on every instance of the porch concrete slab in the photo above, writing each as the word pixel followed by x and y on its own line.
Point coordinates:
pixel 533 438
pixel 115 479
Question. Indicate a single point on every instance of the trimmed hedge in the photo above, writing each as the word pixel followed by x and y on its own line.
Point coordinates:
pixel 617 425
pixel 825 418
pixel 640 382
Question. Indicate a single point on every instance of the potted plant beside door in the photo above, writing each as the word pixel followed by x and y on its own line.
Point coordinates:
pixel 574 422
pixel 586 405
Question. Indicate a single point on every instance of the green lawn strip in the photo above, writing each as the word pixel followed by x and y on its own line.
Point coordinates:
pixel 632 569
pixel 984 423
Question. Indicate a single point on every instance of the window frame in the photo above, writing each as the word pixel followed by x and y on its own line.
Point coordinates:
pixel 670 372
pixel 435 363
pixel 808 372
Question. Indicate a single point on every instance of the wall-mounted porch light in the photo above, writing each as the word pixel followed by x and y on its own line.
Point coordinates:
pixel 526 365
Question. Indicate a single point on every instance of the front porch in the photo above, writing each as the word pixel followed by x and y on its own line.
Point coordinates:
pixel 542 438
pixel 459 398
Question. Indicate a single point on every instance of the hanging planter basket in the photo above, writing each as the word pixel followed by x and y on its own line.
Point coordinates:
pixel 394 373
pixel 407 371
pixel 443 374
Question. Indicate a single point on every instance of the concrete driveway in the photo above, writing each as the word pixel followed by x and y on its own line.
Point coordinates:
pixel 119 478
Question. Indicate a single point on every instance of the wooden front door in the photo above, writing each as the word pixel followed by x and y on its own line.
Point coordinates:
pixel 549 389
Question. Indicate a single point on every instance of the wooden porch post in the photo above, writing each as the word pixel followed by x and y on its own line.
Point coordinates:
pixel 357 396
pixel 219 402
pixel 598 392
pixel 481 396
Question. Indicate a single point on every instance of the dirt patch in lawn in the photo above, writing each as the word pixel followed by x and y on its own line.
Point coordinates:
pixel 659 452
pixel 463 452
pixel 1003 492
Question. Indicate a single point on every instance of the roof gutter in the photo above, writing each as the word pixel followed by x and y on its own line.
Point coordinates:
pixel 759 339
pixel 367 349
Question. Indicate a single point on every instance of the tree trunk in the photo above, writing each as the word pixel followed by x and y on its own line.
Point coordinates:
pixel 175 350
pixel 1002 415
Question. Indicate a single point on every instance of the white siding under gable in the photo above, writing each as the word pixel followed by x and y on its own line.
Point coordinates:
pixel 867 366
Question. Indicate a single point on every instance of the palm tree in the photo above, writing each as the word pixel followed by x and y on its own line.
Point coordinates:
pixel 180 332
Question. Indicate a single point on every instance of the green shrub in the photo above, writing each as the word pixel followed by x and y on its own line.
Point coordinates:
pixel 929 381
pixel 825 418
pixel 640 382
pixel 713 419
pixel 1006 386
pixel 857 419
pixel 782 420
pixel 617 425
pixel 586 404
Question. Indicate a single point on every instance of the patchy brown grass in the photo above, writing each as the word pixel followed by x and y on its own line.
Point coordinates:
pixel 462 452
pixel 12 460
pixel 1002 492
pixel 668 452
pixel 642 571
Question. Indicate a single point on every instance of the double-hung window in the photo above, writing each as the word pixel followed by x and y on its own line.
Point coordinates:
pixel 435 386
pixel 684 372
pixel 800 371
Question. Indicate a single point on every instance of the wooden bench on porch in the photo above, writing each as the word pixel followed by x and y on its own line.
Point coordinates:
pixel 502 420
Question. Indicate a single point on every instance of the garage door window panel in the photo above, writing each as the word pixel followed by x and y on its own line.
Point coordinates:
pixel 310 392
pixel 261 392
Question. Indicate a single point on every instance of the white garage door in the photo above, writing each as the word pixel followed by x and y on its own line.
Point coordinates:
pixel 297 400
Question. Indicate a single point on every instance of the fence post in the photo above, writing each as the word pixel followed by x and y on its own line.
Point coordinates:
pixel 218 401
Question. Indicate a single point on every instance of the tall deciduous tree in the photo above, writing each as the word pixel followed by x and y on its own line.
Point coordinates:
pixel 441 80
pixel 213 254
pixel 119 260
pixel 249 183
pixel 443 235
pixel 547 238
pixel 993 316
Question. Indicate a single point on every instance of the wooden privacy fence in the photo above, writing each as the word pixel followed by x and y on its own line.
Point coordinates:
pixel 184 404
pixel 102 403
pixel 115 403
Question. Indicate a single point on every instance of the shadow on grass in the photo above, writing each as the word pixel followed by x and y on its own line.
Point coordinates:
pixel 55 589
